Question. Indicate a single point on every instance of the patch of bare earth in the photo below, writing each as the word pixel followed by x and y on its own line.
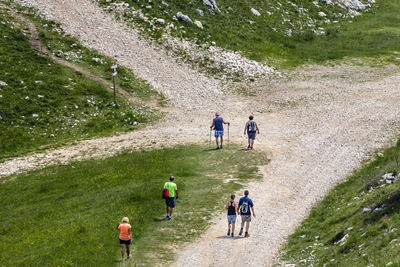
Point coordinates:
pixel 317 128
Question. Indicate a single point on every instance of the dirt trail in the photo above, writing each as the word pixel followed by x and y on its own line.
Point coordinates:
pixel 316 129
pixel 42 49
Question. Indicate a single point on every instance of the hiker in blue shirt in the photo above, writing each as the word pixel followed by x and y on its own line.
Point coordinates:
pixel 251 127
pixel 245 204
pixel 218 126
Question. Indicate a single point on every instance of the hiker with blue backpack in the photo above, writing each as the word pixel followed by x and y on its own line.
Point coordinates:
pixel 251 128
pixel 170 193
pixel 218 126
pixel 246 210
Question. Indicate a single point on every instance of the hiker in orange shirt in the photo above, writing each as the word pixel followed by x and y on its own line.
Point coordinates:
pixel 125 237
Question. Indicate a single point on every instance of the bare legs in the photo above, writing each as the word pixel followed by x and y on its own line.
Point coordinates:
pixel 251 143
pixel 169 211
pixel 216 141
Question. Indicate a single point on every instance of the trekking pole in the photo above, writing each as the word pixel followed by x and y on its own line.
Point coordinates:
pixel 228 135
pixel 209 143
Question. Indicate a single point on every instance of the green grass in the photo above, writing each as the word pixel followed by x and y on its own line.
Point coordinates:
pixel 46 104
pixel 374 36
pixel 373 235
pixel 66 215
pixel 68 48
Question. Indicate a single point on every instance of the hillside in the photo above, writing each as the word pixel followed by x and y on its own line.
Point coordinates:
pixel 275 33
pixel 318 124
pixel 357 223
pixel 44 103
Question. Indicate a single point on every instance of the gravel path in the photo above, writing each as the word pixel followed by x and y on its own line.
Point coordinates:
pixel 316 129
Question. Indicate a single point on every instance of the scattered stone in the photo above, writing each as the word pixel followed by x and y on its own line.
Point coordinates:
pixel 255 12
pixel 35 115
pixel 160 21
pixel 251 22
pixel 389 263
pixel 3 83
pixel 183 17
pixel 95 59
pixel 198 24
pixel 200 12
pixel 213 43
pixel 321 14
pixel 211 5
pixel 343 240
pixel 366 209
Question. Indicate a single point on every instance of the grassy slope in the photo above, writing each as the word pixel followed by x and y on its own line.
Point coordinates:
pixel 373 236
pixel 374 34
pixel 66 215
pixel 46 104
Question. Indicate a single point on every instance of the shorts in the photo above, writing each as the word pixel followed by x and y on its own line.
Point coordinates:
pixel 246 218
pixel 252 135
pixel 231 218
pixel 218 133
pixel 126 242
pixel 170 202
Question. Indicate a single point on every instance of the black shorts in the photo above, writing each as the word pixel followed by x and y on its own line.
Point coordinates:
pixel 170 202
pixel 126 242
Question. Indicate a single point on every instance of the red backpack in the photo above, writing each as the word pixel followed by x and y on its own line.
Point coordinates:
pixel 165 193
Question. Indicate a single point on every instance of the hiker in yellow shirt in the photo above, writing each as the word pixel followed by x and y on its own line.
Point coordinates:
pixel 170 200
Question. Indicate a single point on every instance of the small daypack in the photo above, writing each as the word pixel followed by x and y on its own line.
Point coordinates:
pixel 244 208
pixel 252 126
pixel 165 193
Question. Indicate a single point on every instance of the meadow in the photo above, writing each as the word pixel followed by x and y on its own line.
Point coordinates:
pixel 44 104
pixel 67 215
pixel 357 223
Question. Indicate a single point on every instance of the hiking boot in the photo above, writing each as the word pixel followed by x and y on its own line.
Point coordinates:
pixel 217 147
pixel 130 256
pixel 246 234
pixel 232 235
pixel 220 147
pixel 229 232
pixel 169 218
pixel 251 147
pixel 166 217
pixel 241 231
pixel 248 147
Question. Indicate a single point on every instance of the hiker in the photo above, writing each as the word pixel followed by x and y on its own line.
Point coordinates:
pixel 125 237
pixel 232 207
pixel 170 199
pixel 217 125
pixel 251 127
pixel 245 204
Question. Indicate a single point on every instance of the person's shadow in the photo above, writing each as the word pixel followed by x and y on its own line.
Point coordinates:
pixel 159 219
pixel 228 237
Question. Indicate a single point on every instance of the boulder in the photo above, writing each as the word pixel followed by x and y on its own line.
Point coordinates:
pixel 183 17
pixel 198 24
pixel 255 12
pixel 160 21
pixel 211 5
